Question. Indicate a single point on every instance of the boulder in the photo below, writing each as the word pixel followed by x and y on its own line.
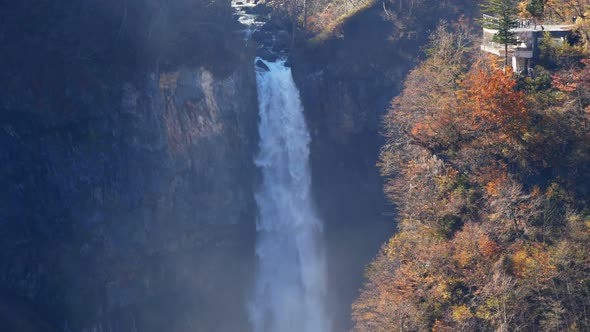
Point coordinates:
pixel 267 54
pixel 261 65
pixel 262 38
pixel 283 39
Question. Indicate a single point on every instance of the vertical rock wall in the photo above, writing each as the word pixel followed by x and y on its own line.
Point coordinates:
pixel 126 172
pixel 346 86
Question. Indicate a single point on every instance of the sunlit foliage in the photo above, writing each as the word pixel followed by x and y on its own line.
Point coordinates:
pixel 489 172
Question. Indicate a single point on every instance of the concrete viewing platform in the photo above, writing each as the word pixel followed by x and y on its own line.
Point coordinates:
pixel 528 36
pixel 544 27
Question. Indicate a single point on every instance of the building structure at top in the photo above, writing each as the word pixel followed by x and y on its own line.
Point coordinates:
pixel 528 35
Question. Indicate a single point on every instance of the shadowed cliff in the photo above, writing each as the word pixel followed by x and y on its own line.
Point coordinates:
pixel 127 130
pixel 347 82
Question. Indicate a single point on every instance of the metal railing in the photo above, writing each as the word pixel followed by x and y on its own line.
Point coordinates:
pixel 525 23
pixel 513 50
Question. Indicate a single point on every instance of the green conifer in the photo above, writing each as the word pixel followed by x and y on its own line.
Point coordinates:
pixel 504 19
pixel 537 9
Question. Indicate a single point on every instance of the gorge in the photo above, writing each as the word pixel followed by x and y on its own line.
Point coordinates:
pixel 138 174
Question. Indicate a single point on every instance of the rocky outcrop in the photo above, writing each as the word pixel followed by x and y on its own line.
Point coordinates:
pixel 126 185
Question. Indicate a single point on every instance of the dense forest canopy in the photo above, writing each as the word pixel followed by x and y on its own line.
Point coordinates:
pixel 490 172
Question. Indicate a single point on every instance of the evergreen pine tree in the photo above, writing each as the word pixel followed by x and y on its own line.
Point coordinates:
pixel 536 8
pixel 504 20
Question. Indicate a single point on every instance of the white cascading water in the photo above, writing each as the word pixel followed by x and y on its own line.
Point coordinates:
pixel 291 278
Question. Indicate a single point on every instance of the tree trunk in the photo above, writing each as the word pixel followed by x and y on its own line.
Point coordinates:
pixel 294 22
pixel 505 56
pixel 305 17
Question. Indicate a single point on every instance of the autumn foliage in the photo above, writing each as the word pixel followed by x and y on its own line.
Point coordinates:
pixel 492 103
pixel 490 174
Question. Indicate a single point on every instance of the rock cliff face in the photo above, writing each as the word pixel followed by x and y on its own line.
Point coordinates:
pixel 127 132
pixel 126 181
pixel 347 84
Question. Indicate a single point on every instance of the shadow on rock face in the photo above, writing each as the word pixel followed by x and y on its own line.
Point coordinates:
pixel 16 315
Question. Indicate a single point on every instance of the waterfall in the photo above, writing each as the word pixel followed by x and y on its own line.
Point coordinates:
pixel 291 276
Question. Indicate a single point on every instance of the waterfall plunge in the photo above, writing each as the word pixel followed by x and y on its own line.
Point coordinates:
pixel 291 278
